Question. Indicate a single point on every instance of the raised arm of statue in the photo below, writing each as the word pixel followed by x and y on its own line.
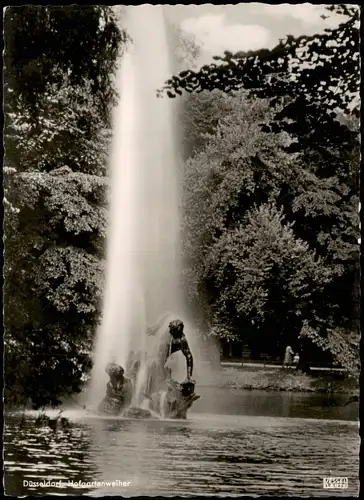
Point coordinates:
pixel 152 330
pixel 188 355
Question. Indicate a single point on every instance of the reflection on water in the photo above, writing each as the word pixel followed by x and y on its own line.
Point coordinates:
pixel 205 455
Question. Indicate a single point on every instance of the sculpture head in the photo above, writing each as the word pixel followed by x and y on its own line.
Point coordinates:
pixel 115 372
pixel 176 328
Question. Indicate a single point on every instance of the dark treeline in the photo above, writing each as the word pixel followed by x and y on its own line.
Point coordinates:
pixel 270 227
pixel 58 93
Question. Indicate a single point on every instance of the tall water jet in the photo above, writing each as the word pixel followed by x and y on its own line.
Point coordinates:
pixel 143 250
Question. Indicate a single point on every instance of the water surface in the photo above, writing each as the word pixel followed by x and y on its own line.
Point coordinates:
pixel 209 454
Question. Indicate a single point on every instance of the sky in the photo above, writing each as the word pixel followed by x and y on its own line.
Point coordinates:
pixel 247 26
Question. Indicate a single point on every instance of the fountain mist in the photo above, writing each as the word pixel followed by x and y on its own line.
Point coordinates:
pixel 142 273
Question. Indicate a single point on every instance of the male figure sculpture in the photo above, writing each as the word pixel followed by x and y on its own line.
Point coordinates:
pixel 172 341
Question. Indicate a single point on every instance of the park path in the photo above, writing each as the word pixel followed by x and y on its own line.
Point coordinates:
pixel 267 365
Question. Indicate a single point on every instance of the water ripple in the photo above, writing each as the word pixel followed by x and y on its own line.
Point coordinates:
pixel 285 457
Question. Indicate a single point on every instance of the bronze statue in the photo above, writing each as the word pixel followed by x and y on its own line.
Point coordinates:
pixel 119 391
pixel 178 397
pixel 166 396
pixel 173 341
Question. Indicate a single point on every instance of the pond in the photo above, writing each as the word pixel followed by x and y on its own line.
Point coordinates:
pixel 233 443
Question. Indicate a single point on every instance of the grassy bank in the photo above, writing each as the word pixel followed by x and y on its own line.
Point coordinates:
pixel 277 379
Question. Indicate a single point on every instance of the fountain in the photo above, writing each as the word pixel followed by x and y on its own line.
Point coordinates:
pixel 143 253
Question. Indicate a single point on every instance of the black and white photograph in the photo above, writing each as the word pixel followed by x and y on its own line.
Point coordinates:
pixel 181 278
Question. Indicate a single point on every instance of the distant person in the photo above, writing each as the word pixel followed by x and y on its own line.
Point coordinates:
pixel 288 357
pixel 296 360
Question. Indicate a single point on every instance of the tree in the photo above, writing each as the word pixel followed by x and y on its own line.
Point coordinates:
pixel 313 83
pixel 267 281
pixel 199 117
pixel 58 96
pixel 32 66
pixel 239 167
pixel 320 69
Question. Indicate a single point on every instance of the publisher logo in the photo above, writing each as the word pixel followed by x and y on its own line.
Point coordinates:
pixel 335 483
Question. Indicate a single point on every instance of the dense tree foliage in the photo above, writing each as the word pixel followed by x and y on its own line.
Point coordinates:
pixel 321 68
pixel 58 97
pixel 239 172
pixel 199 116
pixel 43 46
pixel 305 187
